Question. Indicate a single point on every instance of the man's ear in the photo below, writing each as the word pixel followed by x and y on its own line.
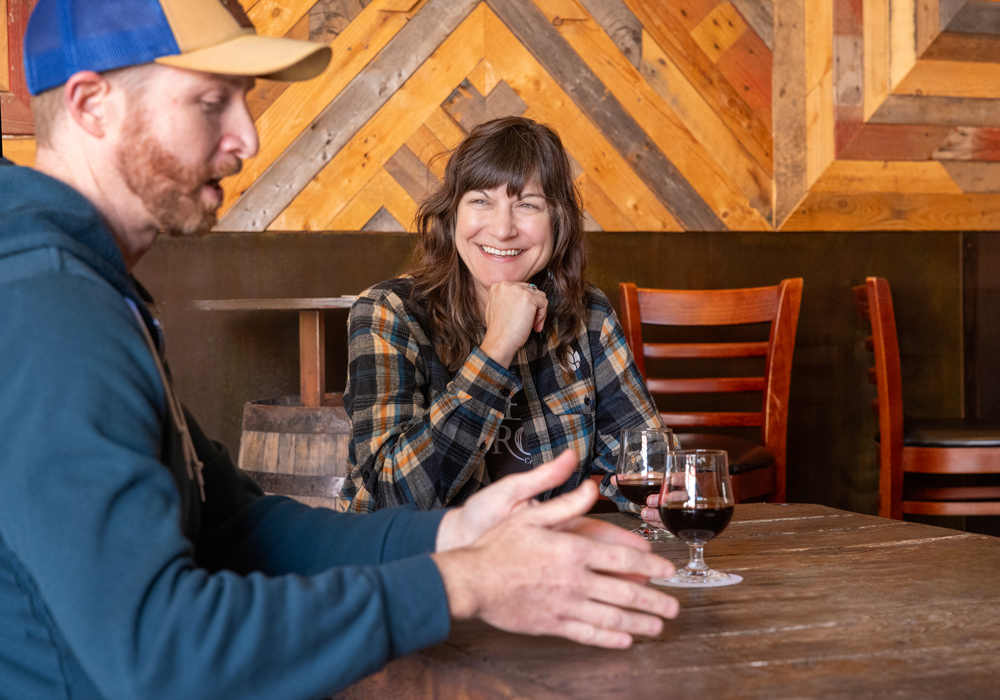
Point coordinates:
pixel 85 96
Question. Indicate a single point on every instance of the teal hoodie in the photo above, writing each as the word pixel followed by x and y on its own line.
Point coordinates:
pixel 116 580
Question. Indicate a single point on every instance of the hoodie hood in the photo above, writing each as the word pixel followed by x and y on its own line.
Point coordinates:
pixel 38 211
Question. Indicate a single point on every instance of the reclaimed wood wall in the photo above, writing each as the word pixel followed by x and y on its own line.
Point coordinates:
pixel 748 115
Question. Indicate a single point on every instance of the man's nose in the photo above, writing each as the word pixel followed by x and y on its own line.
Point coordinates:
pixel 240 138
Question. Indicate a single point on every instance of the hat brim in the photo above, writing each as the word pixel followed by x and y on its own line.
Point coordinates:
pixel 275 58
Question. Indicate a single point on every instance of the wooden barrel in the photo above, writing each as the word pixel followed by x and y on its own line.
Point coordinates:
pixel 296 451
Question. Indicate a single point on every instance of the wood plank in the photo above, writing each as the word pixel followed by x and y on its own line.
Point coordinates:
pixel 469 108
pixel 974 177
pixel 290 115
pixel 820 129
pixel 952 79
pixel 852 176
pixel 747 65
pixel 527 22
pixel 759 14
pixel 429 149
pixel 790 111
pixel 720 29
pixel 895 142
pixel 820 108
pixel 972 48
pixel 669 33
pixel 383 221
pixel 902 39
pixel 681 101
pixel 20 150
pixel 376 85
pixel 16 119
pixel 600 206
pixel 928 24
pixel 947 9
pixel 380 192
pixel 619 23
pixel 823 211
pixel 4 49
pixel 875 31
pixel 848 72
pixel 940 111
pixel 970 143
pixel 277 17
pixel 548 103
pixel 484 77
pixel 380 136
pixel 445 128
pixel 411 174
pixel 976 18
pixel 312 357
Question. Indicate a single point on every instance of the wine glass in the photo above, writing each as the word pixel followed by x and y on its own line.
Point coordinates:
pixel 640 467
pixel 696 504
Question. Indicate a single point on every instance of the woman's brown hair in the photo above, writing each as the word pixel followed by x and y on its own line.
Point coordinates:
pixel 507 151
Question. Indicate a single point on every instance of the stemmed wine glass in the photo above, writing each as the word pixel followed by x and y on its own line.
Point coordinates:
pixel 696 504
pixel 639 471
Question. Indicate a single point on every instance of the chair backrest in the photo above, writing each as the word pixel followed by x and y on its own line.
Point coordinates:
pixel 777 305
pixel 873 301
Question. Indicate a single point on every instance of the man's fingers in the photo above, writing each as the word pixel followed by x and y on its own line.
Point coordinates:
pixel 521 487
pixel 605 532
pixel 630 596
pixel 556 512
pixel 585 633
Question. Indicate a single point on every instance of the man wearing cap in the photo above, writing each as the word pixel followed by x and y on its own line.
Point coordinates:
pixel 135 560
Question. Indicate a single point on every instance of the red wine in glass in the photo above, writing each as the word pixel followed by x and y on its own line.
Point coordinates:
pixel 638 487
pixel 696 504
pixel 698 524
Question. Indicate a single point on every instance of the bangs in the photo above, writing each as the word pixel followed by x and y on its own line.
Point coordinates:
pixel 511 159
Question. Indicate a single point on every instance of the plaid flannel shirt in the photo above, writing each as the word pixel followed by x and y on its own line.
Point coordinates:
pixel 421 433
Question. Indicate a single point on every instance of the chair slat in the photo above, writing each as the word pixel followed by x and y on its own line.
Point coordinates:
pixel 708 385
pixel 713 350
pixel 951 507
pixel 708 307
pixel 954 493
pixel 715 418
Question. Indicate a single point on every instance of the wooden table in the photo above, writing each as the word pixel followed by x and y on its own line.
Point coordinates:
pixel 833 605
pixel 312 338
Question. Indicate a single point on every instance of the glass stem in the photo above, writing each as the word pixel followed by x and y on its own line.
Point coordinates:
pixel 697 563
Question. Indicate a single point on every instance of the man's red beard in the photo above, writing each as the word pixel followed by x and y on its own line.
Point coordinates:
pixel 170 191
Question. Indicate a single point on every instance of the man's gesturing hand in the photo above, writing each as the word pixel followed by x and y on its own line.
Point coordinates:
pixel 544 570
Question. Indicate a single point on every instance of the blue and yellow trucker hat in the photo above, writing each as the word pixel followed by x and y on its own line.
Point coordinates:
pixel 67 36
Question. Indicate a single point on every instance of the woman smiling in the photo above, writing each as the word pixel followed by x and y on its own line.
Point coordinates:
pixel 492 355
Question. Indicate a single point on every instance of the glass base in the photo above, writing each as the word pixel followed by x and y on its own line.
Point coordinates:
pixel 706 579
pixel 652 534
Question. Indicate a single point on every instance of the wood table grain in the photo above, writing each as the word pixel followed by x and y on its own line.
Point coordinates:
pixel 833 605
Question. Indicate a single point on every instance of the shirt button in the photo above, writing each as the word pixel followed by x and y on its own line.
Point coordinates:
pixel 586 401
pixel 482 446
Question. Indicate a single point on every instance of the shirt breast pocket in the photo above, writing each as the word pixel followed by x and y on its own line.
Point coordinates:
pixel 570 418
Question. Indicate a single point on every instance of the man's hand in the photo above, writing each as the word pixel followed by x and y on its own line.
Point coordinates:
pixel 463 526
pixel 544 569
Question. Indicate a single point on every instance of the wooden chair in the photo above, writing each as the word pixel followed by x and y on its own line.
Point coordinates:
pixel 757 466
pixel 918 460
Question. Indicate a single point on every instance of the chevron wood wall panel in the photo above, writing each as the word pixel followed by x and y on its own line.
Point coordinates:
pixel 678 114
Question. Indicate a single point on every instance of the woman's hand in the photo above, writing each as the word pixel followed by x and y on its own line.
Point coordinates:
pixel 513 310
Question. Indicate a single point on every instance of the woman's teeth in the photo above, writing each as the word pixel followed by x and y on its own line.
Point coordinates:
pixel 502 253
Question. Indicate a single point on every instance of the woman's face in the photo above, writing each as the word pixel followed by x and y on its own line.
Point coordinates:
pixel 501 238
